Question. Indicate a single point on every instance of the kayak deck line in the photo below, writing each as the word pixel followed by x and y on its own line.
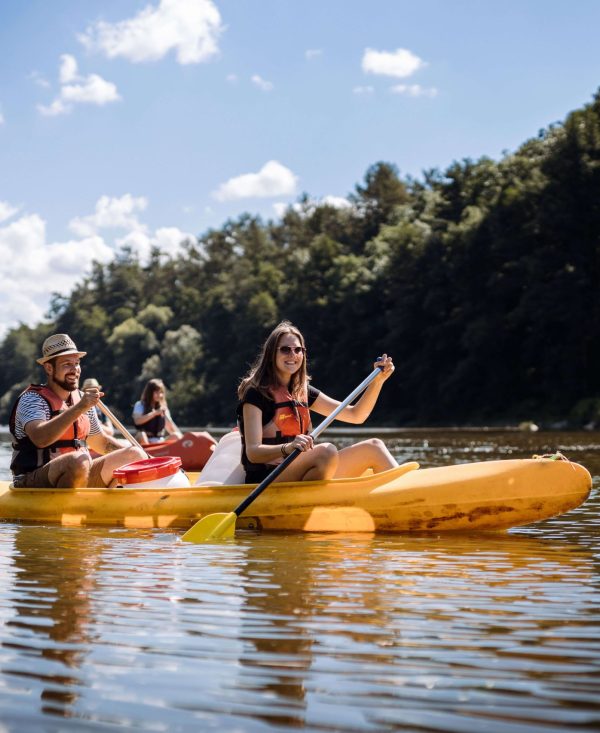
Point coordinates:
pixel 483 496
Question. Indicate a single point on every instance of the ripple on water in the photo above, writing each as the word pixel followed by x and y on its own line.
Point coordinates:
pixel 123 628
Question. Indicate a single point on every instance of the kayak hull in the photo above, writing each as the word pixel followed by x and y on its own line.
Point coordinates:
pixel 494 495
pixel 194 449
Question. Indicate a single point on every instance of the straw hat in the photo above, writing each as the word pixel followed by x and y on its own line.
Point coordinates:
pixel 91 382
pixel 59 344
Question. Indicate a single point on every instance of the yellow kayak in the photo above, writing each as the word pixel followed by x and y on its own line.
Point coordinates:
pixel 494 495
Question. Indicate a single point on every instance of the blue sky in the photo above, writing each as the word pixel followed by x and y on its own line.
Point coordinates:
pixel 146 122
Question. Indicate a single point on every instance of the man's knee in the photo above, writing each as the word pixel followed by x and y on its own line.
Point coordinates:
pixel 133 453
pixel 77 466
pixel 128 454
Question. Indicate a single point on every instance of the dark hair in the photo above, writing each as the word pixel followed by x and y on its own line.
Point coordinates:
pixel 148 391
pixel 262 375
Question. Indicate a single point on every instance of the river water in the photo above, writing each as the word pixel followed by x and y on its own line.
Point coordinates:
pixel 106 629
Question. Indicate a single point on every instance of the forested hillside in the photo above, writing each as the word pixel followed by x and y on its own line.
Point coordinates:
pixel 481 280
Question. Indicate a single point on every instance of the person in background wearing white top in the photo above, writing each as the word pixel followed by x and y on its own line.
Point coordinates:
pixel 151 415
pixel 52 425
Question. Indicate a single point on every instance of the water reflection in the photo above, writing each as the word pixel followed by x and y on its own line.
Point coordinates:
pixel 103 629
pixel 278 651
pixel 53 579
pixel 428 618
pixel 328 632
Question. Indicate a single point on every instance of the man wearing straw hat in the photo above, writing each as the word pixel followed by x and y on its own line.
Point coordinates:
pixel 53 424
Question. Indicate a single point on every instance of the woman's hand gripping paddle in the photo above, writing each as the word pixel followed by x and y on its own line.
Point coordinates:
pixel 219 526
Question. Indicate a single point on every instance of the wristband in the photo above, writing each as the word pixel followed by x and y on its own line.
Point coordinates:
pixel 283 453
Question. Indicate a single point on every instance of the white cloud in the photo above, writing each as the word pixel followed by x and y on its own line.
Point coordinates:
pixel 280 208
pixel 414 90
pixel 65 258
pixel 273 179
pixel 231 78
pixel 67 71
pixel 338 202
pixel 7 210
pixel 191 28
pixel 400 63
pixel 363 90
pixel 312 53
pixel 308 207
pixel 19 240
pixel 92 89
pixel 261 83
pixel 34 268
pixel 138 240
pixel 39 80
pixel 53 109
pixel 167 239
pixel 1 118
pixel 111 213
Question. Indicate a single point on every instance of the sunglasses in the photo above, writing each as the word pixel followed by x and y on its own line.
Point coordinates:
pixel 291 349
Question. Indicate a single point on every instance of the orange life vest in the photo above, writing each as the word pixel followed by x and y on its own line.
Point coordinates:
pixel 291 417
pixel 26 455
pixel 283 418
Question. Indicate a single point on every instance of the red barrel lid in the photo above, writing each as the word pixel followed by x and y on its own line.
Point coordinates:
pixel 148 469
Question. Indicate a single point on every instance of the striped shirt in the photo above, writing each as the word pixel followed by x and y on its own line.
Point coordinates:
pixel 34 407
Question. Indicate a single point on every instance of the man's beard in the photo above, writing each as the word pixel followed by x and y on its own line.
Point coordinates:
pixel 66 386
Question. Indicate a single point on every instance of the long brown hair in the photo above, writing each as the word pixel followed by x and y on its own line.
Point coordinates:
pixel 151 386
pixel 263 374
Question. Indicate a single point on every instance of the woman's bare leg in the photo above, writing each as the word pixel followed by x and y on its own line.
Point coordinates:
pixel 314 465
pixel 356 459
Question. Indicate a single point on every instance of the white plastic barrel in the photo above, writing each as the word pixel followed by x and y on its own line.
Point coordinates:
pixel 162 471
pixel 224 466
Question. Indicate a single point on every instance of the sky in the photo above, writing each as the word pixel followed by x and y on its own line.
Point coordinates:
pixel 146 123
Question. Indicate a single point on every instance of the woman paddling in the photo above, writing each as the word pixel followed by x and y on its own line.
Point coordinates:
pixel 151 415
pixel 274 416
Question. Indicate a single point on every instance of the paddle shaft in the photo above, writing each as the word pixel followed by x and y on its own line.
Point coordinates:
pixel 295 453
pixel 120 427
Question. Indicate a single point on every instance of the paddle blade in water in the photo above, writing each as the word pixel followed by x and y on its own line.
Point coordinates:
pixel 211 527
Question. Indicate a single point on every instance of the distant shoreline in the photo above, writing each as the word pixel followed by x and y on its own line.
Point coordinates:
pixel 374 430
pixel 355 431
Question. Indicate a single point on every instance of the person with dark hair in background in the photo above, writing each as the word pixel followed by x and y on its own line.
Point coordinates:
pixel 151 415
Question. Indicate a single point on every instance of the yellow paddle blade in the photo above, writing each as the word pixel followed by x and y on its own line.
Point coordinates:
pixel 211 527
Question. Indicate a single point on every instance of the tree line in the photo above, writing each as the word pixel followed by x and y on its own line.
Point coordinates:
pixel 481 280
